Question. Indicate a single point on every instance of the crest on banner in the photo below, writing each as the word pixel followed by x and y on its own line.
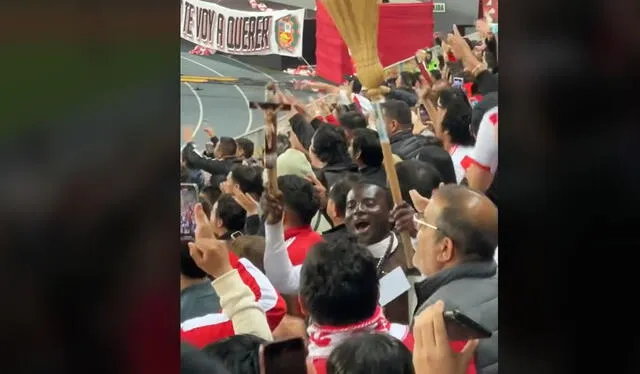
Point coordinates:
pixel 288 33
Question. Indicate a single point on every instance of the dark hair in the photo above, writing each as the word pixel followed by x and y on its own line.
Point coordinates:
pixel 419 176
pixel 194 361
pixel 437 41
pixel 282 143
pixel 249 178
pixel 212 192
pixel 357 86
pixel 399 111
pixel 299 196
pixel 230 213
pixel 342 109
pixel 335 275
pixel 457 121
pixel 450 95
pixel 370 353
pixel 441 63
pixel 407 79
pixel 250 247
pixel 228 146
pixel 436 74
pixel 353 120
pixel 246 145
pixel 475 239
pixel 367 142
pixel 339 191
pixel 188 267
pixel 240 354
pixel 435 155
pixel 330 145
pixel 206 205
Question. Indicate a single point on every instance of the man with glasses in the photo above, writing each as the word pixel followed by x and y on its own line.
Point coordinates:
pixel 457 233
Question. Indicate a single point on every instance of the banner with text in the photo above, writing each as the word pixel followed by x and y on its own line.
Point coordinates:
pixel 241 32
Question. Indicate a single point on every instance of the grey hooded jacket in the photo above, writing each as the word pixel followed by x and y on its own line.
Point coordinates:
pixel 473 289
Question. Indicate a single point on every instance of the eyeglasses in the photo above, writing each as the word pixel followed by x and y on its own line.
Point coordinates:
pixel 419 221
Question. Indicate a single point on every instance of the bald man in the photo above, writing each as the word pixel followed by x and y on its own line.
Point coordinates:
pixel 456 241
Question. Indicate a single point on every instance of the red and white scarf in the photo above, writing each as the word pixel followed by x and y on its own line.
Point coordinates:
pixel 322 339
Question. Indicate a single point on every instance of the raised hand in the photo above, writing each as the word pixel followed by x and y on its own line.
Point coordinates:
pixel 320 189
pixel 272 207
pixel 187 134
pixel 402 218
pixel 482 27
pixel 461 50
pixel 419 202
pixel 210 254
pixel 210 132
pixel 245 201
pixel 420 55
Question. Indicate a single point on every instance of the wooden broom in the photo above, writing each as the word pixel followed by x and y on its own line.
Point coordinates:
pixel 270 133
pixel 357 22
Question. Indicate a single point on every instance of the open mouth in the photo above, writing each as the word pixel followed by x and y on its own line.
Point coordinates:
pixel 361 226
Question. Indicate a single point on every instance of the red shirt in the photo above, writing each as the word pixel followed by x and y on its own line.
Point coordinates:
pixel 216 325
pixel 298 241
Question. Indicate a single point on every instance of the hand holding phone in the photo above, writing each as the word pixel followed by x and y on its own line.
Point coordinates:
pixel 432 352
pixel 460 327
pixel 285 356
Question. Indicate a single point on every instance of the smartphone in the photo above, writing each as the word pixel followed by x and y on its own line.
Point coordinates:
pixel 457 82
pixel 188 201
pixel 265 105
pixel 424 115
pixel 285 356
pixel 460 327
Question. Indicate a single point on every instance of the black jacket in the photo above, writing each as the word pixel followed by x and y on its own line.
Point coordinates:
pixel 335 233
pixel 375 174
pixel 217 168
pixel 330 174
pixel 406 145
pixel 303 130
pixel 408 96
pixel 473 289
pixel 254 225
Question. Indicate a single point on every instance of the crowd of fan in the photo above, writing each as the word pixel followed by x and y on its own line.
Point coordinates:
pixel 306 261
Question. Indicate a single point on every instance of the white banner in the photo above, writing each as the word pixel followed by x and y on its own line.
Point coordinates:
pixel 242 32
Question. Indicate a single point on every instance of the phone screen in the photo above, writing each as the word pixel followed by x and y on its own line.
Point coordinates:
pixel 460 327
pixel 286 356
pixel 188 200
pixel 424 115
pixel 458 82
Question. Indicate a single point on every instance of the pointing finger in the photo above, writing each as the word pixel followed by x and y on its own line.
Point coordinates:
pixel 456 31
pixel 201 218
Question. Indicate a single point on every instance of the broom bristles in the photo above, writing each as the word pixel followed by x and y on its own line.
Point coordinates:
pixel 357 22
